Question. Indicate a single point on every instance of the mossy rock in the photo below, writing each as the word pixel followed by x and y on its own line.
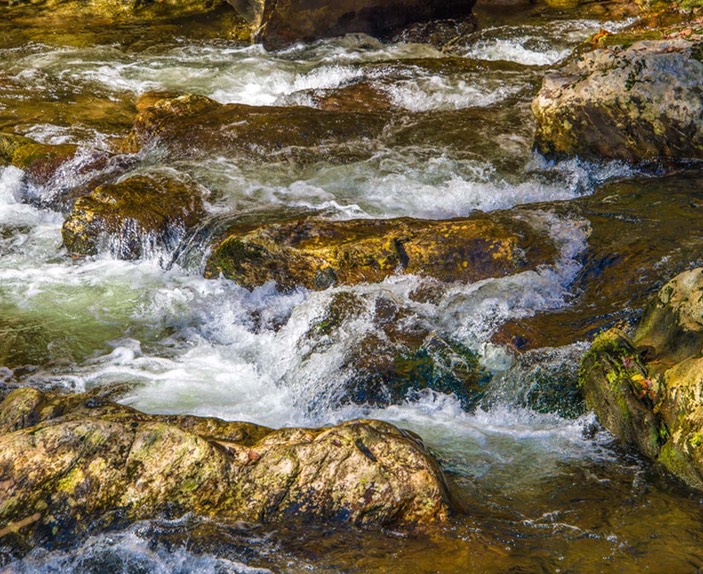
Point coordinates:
pixel 660 414
pixel 120 10
pixel 133 217
pixel 396 354
pixel 386 373
pixel 67 461
pixel 318 254
pixel 39 161
pixel 617 386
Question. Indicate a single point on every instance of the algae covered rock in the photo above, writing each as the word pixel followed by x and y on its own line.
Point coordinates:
pixel 651 395
pixel 279 23
pixel 317 254
pixel 39 161
pixel 634 103
pixel 196 126
pixel 67 461
pixel 133 217
pixel 617 386
pixel 120 10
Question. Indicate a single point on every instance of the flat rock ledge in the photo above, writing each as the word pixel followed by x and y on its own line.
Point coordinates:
pixel 67 461
pixel 317 254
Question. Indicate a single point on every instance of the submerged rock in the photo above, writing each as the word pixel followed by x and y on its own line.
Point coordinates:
pixel 386 352
pixel 67 461
pixel 133 217
pixel 634 103
pixel 649 391
pixel 641 233
pixel 278 24
pixel 317 254
pixel 196 126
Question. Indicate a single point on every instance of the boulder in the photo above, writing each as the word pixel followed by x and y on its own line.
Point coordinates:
pixel 196 126
pixel 649 391
pixel 672 327
pixel 39 161
pixel 317 254
pixel 280 23
pixel 69 461
pixel 635 103
pixel 133 217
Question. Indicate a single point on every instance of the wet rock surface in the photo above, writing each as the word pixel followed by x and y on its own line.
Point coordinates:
pixel 67 461
pixel 396 355
pixel 118 10
pixel 317 254
pixel 280 23
pixel 635 103
pixel 39 161
pixel 642 232
pixel 134 217
pixel 648 390
pixel 196 126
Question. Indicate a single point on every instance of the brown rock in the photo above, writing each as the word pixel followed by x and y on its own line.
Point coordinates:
pixel 196 126
pixel 66 460
pixel 133 217
pixel 317 254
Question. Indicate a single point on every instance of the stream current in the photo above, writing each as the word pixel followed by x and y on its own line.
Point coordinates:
pixel 541 492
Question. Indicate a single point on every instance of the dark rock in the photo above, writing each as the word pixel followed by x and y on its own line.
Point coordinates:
pixel 196 126
pixel 279 23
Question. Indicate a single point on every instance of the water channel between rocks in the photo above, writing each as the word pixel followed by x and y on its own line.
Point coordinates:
pixel 541 491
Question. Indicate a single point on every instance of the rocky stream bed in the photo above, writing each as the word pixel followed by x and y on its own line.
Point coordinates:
pixel 363 286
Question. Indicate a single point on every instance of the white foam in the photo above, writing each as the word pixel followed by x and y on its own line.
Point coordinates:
pixel 535 45
pixel 131 550
pixel 440 93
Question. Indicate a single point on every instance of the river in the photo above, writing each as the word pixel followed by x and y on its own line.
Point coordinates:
pixel 540 491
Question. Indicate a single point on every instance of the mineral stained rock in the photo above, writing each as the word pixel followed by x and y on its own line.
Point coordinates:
pixel 67 460
pixel 317 254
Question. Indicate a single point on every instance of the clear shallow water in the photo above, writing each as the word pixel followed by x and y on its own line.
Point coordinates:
pixel 541 492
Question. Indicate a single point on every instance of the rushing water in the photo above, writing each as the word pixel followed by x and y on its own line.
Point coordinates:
pixel 541 492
